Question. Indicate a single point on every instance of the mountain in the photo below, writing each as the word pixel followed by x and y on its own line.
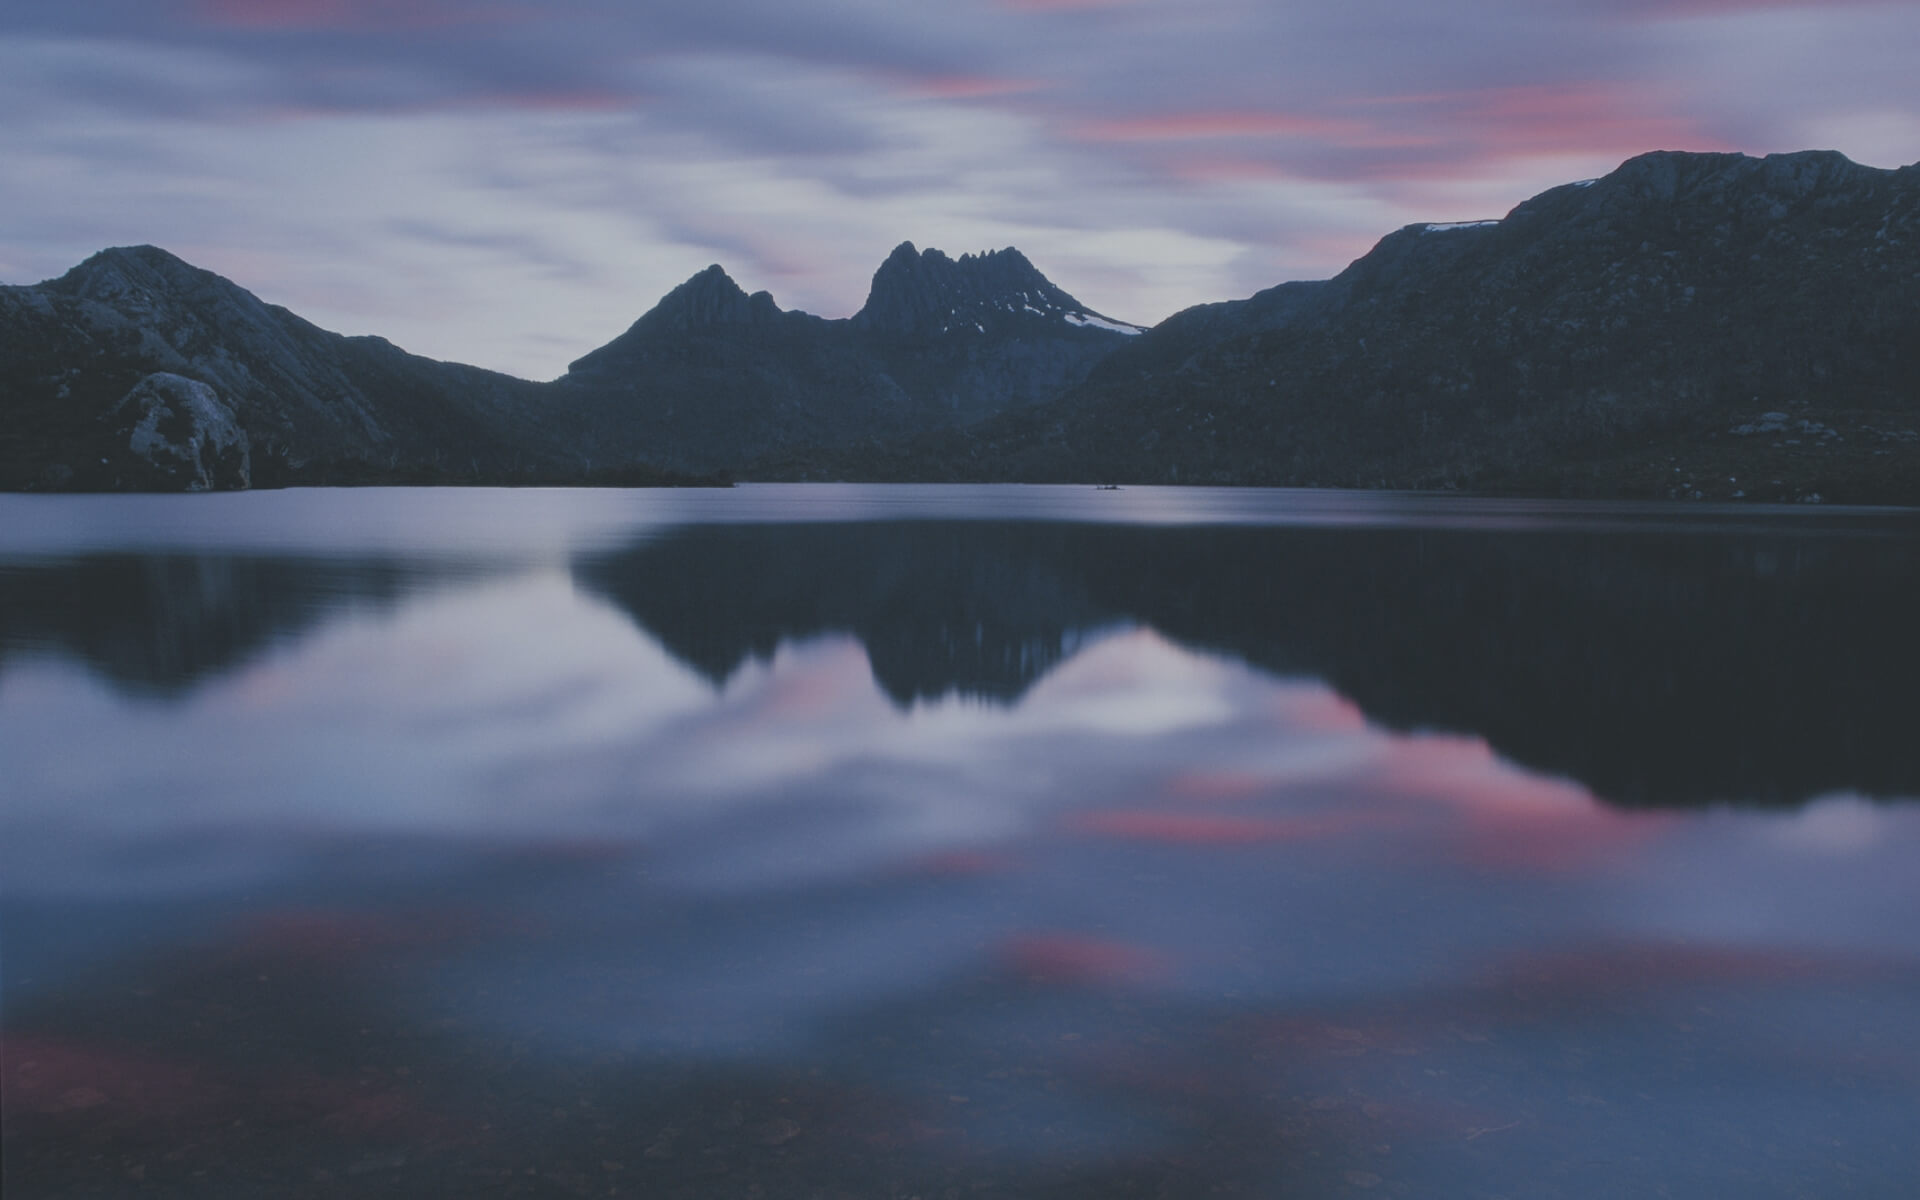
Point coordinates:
pixel 1691 324
pixel 712 378
pixel 138 371
pixel 1683 297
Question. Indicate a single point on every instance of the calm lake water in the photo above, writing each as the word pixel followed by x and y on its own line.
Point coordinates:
pixel 955 843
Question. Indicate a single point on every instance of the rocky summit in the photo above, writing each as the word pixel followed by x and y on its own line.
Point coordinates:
pixel 138 371
pixel 925 294
pixel 713 379
pixel 1689 326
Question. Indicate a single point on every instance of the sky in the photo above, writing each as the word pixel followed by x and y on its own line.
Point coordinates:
pixel 511 183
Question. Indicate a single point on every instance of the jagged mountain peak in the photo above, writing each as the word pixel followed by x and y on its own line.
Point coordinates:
pixel 710 297
pixel 905 256
pixel 921 293
pixel 708 301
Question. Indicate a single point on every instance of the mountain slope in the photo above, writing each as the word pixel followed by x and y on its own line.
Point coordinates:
pixel 712 378
pixel 138 370
pixel 1684 296
pixel 1692 324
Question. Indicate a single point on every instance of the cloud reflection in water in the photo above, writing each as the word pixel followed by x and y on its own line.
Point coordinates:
pixel 417 876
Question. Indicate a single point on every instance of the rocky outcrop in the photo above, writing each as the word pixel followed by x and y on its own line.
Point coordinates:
pixel 187 433
pixel 924 294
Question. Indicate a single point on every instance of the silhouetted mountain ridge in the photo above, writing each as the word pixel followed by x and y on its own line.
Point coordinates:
pixel 1690 325
pixel 712 378
pixel 924 293
pixel 138 371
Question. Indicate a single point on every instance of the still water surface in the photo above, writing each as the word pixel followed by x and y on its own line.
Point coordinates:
pixel 956 842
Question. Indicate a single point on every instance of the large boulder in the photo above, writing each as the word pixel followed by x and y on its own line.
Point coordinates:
pixel 186 433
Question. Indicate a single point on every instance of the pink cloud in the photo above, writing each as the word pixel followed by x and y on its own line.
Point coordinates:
pixel 1411 138
pixel 1217 785
pixel 1510 818
pixel 1559 844
pixel 1505 122
pixel 1219 829
pixel 1319 710
pixel 55 1077
pixel 1219 124
pixel 1335 249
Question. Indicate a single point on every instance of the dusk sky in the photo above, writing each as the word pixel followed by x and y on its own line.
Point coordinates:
pixel 511 184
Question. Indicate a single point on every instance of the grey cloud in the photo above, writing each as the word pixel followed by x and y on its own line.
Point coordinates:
pixel 521 247
pixel 655 129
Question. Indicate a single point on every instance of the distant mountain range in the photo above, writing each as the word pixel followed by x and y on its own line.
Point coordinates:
pixel 1691 325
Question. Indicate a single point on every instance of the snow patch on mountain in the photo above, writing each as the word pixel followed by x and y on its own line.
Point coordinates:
pixel 1096 321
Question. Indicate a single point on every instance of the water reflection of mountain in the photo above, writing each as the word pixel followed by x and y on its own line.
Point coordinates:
pixel 982 609
pixel 161 623
pixel 1656 667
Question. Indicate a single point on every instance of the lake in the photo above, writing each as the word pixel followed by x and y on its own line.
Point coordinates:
pixel 819 841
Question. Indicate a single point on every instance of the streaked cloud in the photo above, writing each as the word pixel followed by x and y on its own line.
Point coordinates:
pixel 512 184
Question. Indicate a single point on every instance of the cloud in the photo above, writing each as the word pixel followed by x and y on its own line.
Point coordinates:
pixel 1189 125
pixel 1680 10
pixel 1149 157
pixel 362 16
pixel 1066 5
pixel 1222 829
